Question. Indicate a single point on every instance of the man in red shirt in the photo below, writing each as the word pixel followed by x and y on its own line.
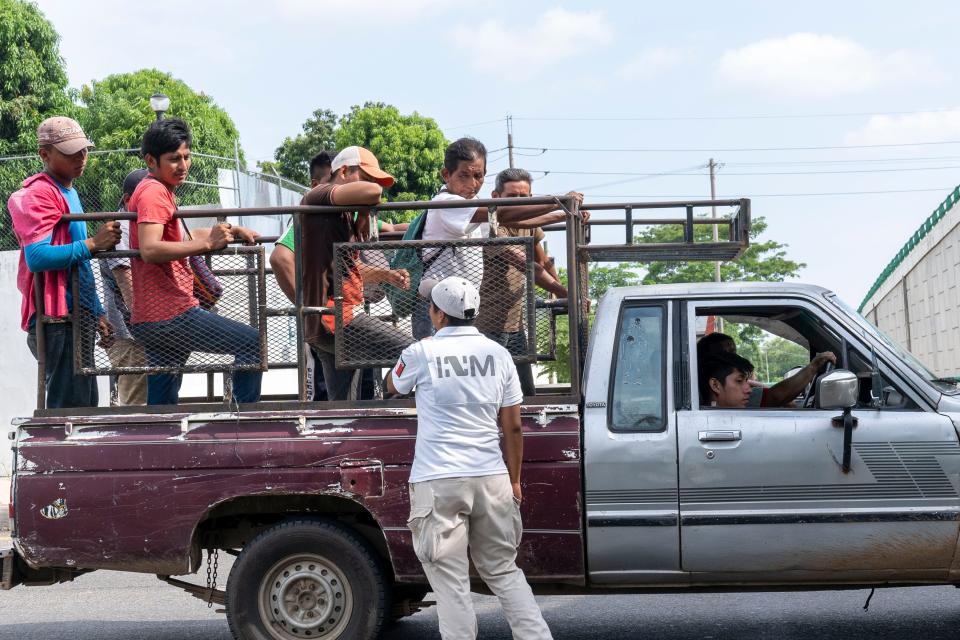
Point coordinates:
pixel 166 318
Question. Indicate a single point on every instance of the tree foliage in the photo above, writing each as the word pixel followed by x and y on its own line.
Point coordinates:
pixel 762 261
pixel 410 147
pixel 292 158
pixel 33 86
pixel 117 112
pixel 33 80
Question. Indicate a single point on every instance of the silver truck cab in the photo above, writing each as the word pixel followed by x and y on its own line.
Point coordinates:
pixel 682 494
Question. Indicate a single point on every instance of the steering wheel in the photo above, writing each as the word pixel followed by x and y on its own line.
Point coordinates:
pixel 810 392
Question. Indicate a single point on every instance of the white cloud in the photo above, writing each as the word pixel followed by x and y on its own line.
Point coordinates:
pixel 925 126
pixel 376 11
pixel 812 65
pixel 652 62
pixel 557 34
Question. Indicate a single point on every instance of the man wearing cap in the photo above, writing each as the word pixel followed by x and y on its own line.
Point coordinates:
pixel 130 388
pixel 461 492
pixel 54 247
pixel 356 179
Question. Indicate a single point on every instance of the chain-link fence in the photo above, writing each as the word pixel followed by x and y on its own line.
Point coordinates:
pixel 214 181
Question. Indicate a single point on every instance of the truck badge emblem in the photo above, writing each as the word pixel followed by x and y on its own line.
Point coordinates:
pixel 56 510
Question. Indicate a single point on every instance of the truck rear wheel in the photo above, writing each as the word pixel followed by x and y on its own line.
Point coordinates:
pixel 306 579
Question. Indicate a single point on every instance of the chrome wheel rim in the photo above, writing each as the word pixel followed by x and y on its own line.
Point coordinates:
pixel 305 596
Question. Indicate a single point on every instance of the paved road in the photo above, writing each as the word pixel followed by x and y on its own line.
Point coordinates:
pixel 119 606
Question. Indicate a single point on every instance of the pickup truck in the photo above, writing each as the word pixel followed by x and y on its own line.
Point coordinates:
pixel 632 484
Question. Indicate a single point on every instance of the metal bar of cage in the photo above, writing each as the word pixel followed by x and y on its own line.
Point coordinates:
pixel 579 250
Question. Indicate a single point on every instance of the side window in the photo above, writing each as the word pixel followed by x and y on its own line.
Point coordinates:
pixel 639 371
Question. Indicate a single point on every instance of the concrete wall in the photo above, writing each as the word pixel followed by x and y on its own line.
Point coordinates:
pixel 18 368
pixel 919 304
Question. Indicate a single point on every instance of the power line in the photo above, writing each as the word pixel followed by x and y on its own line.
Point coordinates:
pixel 842 161
pixel 741 173
pixel 785 116
pixel 474 124
pixel 780 195
pixel 647 176
pixel 735 149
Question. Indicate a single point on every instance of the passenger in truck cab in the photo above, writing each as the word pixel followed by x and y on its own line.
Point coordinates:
pixel 464 168
pixel 781 394
pixel 725 381
pixel 166 317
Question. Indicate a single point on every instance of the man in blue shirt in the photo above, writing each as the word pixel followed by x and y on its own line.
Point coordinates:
pixel 53 248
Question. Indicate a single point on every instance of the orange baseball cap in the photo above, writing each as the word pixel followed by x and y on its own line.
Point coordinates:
pixel 363 158
pixel 64 134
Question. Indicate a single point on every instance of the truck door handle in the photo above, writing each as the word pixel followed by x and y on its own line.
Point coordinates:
pixel 719 436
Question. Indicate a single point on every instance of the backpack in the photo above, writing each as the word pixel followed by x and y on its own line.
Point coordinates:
pixel 404 301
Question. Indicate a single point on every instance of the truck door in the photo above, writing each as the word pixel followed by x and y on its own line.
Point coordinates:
pixel 630 446
pixel 763 496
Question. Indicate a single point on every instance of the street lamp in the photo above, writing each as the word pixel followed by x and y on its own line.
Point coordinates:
pixel 159 103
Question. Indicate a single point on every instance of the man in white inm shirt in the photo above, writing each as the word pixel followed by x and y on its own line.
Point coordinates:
pixel 461 492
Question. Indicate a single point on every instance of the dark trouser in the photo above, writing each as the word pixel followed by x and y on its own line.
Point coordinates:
pixel 378 337
pixel 516 343
pixel 420 322
pixel 64 389
pixel 169 343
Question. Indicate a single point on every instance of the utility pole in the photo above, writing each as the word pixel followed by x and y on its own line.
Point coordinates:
pixel 713 196
pixel 510 139
pixel 716 234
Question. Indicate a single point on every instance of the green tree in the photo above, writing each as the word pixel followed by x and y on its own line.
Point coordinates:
pixel 762 261
pixel 33 80
pixel 410 147
pixel 118 112
pixel 33 86
pixel 292 158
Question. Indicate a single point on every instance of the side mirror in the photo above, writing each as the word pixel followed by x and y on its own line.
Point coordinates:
pixel 837 390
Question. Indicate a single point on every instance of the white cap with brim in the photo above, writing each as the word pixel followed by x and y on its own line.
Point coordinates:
pixel 455 296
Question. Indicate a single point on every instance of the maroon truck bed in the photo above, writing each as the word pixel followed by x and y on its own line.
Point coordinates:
pixel 147 493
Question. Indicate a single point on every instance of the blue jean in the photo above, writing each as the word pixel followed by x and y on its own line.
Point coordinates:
pixel 516 343
pixel 420 322
pixel 169 343
pixel 64 388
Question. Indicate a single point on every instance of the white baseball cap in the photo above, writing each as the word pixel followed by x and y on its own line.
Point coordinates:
pixel 454 296
pixel 363 158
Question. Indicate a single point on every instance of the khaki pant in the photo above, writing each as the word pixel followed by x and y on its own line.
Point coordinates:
pixel 131 387
pixel 451 514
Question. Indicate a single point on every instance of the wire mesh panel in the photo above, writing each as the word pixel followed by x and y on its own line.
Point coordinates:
pixel 375 320
pixel 156 327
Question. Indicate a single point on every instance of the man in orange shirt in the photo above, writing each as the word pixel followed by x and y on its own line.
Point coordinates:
pixel 356 179
pixel 166 318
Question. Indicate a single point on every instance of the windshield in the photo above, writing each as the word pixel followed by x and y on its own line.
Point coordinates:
pixel 942 385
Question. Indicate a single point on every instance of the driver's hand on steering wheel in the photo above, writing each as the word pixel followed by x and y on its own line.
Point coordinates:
pixel 822 359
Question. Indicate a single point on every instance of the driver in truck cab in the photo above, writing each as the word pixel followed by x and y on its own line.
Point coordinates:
pixel 781 394
pixel 725 381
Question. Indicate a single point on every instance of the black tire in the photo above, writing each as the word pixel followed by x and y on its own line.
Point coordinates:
pixel 307 579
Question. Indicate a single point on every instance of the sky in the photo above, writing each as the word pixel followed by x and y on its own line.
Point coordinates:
pixel 840 120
